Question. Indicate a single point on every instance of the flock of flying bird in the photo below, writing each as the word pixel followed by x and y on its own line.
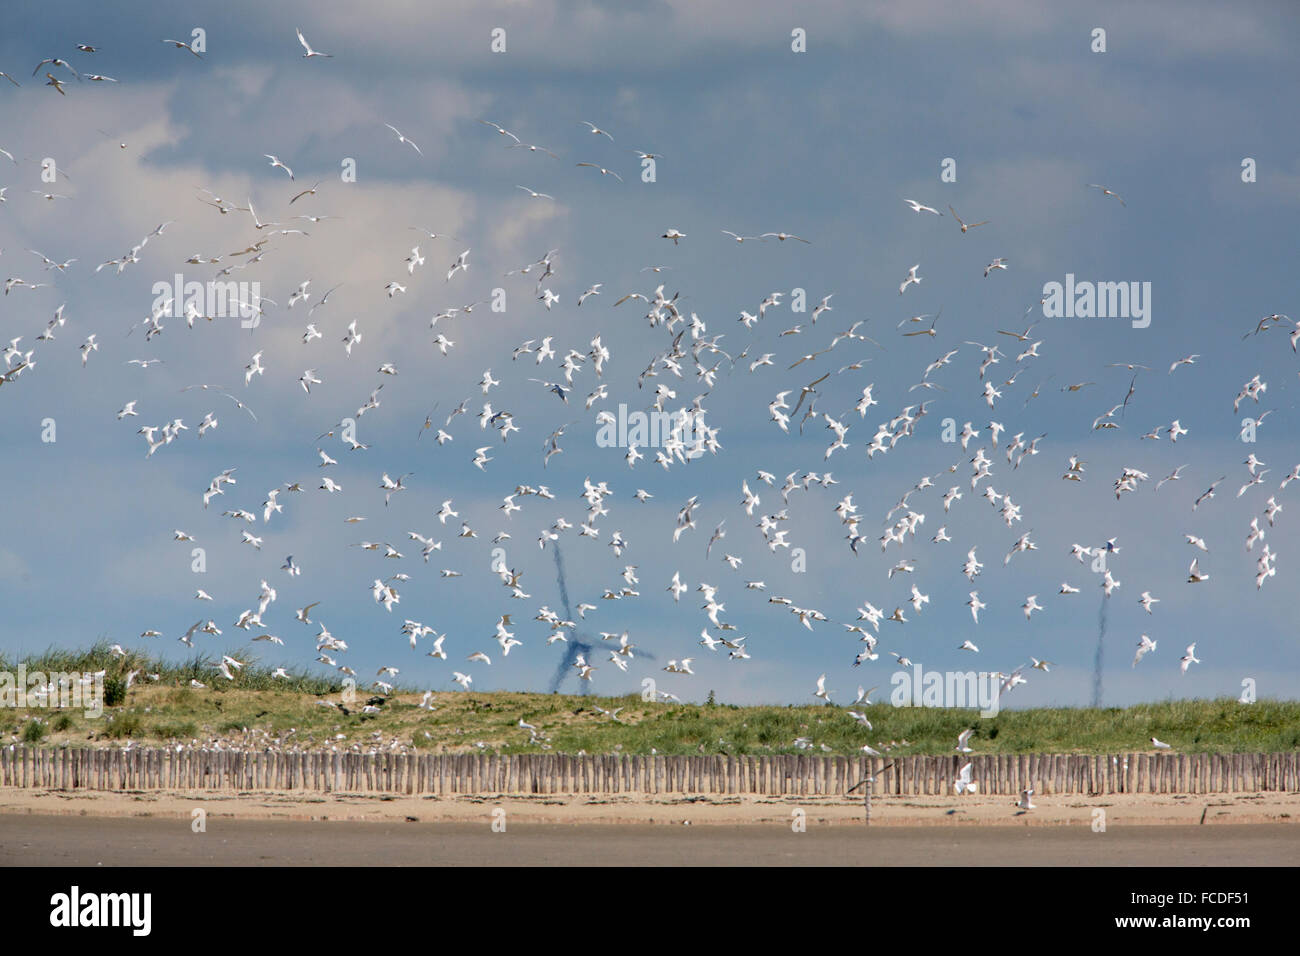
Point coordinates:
pixel 568 374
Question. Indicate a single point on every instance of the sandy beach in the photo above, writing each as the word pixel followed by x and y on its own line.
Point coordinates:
pixel 907 811
pixel 47 840
pixel 94 828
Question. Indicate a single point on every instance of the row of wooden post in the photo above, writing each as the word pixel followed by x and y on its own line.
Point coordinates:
pixel 139 768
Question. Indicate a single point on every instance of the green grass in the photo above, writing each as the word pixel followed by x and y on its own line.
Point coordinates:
pixel 256 707
pixel 199 667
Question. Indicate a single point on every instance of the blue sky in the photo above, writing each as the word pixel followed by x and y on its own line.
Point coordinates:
pixel 754 138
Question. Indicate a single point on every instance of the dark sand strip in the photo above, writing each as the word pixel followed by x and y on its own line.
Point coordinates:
pixel 35 840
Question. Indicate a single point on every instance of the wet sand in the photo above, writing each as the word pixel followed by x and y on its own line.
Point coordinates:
pixel 44 840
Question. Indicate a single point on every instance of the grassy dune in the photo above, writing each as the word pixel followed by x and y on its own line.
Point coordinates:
pixel 256 709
